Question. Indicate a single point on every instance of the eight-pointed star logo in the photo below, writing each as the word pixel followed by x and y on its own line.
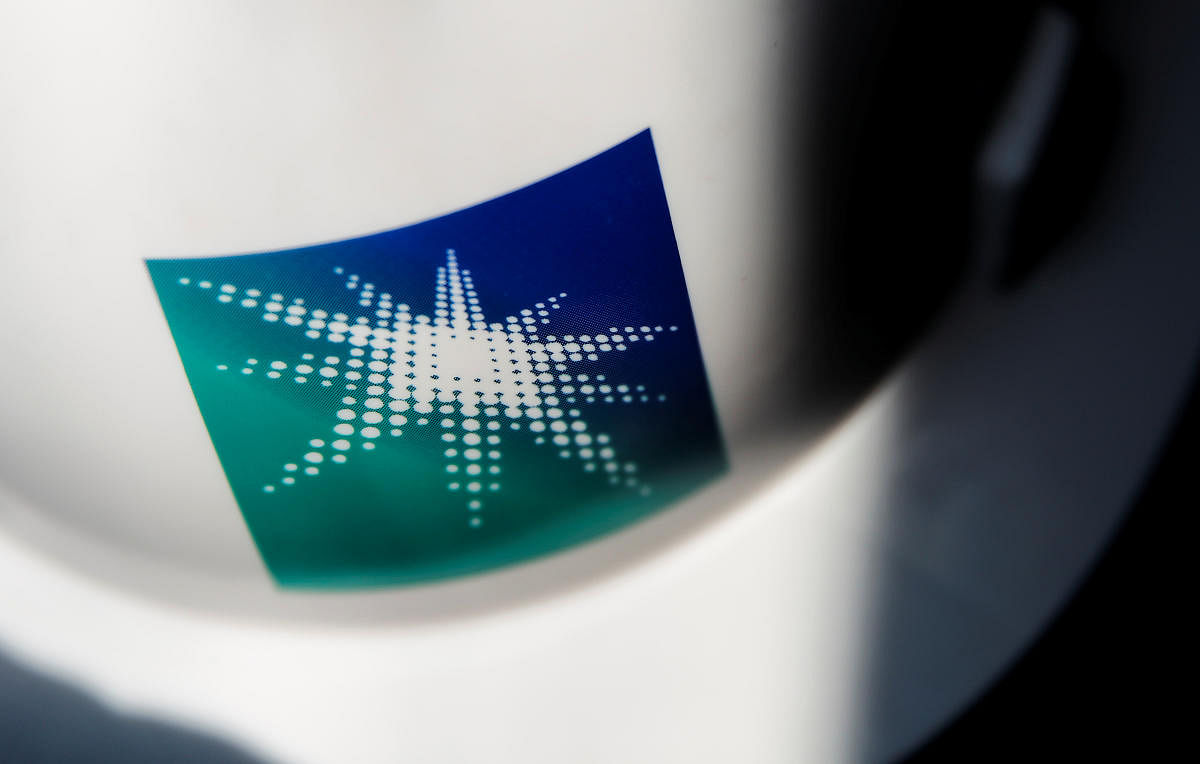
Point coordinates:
pixel 376 430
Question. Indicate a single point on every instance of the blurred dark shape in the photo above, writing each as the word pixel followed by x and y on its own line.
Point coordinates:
pixel 1101 682
pixel 1060 191
pixel 50 721
pixel 902 97
pixel 1037 412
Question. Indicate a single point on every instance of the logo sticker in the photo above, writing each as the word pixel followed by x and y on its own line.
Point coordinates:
pixel 456 395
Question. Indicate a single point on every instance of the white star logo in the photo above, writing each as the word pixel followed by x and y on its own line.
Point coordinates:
pixel 475 381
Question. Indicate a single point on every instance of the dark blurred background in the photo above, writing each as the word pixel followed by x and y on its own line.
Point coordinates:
pixel 1110 677
pixel 907 95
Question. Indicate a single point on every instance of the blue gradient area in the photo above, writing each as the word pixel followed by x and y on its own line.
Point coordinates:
pixel 599 232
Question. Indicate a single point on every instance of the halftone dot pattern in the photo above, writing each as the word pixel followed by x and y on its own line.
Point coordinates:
pixel 477 376
pixel 459 394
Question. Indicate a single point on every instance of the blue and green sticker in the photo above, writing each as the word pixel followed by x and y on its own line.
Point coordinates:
pixel 456 395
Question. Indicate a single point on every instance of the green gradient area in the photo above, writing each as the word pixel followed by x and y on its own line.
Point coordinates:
pixel 390 514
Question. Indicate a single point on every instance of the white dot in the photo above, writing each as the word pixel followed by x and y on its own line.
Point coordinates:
pixel 372 417
pixel 339 458
pixel 343 429
pixel 311 470
pixel 474 487
pixel 345 414
pixel 341 444
pixel 369 432
pixel 316 442
pixel 314 457
pixel 289 480
pixel 470 424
